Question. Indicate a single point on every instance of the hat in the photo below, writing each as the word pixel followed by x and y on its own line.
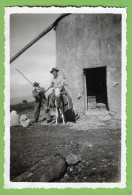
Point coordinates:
pixel 35 84
pixel 54 69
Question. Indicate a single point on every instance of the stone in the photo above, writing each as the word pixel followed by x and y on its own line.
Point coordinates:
pixel 24 121
pixel 73 159
pixel 46 170
pixel 23 117
pixel 101 105
pixel 14 119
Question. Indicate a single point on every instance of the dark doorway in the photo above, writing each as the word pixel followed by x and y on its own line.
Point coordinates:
pixel 96 84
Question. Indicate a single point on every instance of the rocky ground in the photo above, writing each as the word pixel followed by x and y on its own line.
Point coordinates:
pixel 96 139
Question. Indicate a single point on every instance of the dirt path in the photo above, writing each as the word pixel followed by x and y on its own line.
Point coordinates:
pixel 99 150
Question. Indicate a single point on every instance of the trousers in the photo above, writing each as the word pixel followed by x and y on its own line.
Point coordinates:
pixel 42 103
pixel 66 98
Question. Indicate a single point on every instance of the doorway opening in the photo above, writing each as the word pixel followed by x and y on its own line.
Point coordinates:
pixel 96 88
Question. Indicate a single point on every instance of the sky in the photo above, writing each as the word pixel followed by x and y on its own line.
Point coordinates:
pixel 38 60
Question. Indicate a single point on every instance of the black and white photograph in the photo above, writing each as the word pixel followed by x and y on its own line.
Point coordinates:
pixel 65 97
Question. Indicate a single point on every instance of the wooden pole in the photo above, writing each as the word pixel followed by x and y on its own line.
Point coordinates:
pixel 47 89
pixel 38 37
pixel 24 76
pixel 28 79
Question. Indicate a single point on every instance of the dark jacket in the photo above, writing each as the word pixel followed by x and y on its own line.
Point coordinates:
pixel 39 95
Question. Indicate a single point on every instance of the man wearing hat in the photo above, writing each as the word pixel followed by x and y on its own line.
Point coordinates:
pixel 40 102
pixel 59 81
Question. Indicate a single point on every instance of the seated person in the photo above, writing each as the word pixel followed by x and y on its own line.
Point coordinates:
pixel 58 81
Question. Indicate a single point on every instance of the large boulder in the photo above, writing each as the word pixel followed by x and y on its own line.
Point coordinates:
pixel 49 169
pixel 14 119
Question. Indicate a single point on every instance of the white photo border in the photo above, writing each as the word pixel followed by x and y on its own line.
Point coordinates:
pixel 50 10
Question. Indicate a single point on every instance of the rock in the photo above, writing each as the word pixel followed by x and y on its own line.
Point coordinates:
pixel 14 119
pixel 101 105
pixel 46 170
pixel 73 159
pixel 23 117
pixel 24 121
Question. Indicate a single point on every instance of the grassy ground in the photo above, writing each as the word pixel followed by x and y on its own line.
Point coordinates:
pixel 99 150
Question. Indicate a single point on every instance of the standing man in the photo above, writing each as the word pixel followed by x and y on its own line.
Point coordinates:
pixel 40 102
pixel 58 81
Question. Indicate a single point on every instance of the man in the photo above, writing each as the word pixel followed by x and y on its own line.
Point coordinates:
pixel 59 81
pixel 40 101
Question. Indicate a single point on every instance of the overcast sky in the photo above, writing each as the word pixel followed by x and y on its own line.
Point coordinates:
pixel 38 60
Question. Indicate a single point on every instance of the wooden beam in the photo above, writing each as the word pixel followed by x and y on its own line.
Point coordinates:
pixel 38 37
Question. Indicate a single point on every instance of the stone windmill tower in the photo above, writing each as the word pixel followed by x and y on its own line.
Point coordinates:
pixel 89 53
